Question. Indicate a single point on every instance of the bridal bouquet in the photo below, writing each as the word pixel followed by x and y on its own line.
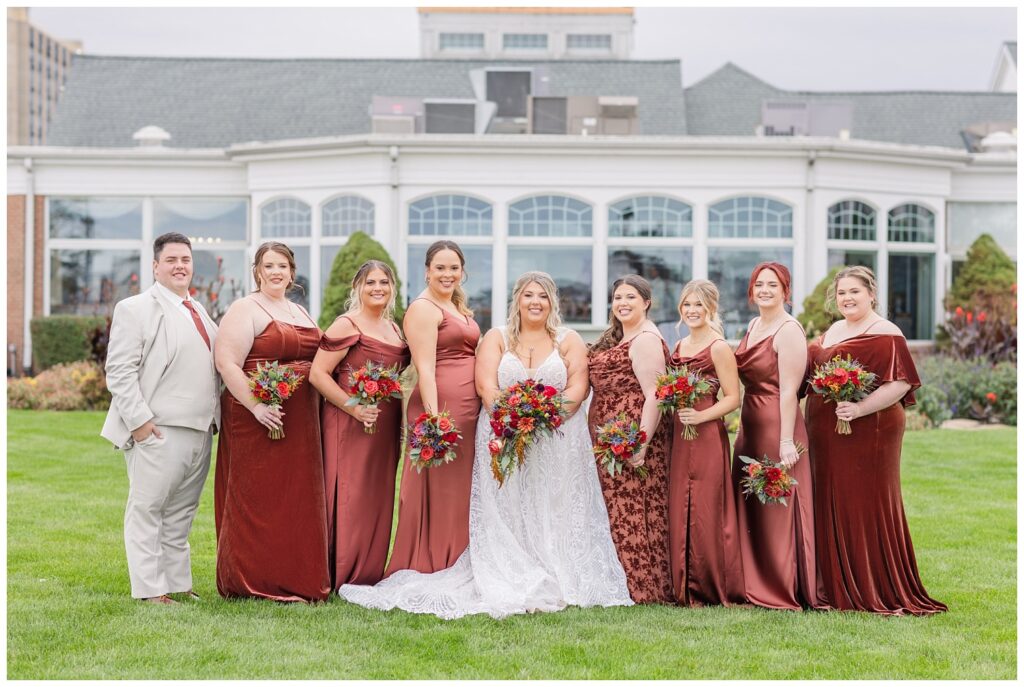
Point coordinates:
pixel 842 380
pixel 432 440
pixel 766 480
pixel 272 384
pixel 618 440
pixel 522 413
pixel 372 384
pixel 680 388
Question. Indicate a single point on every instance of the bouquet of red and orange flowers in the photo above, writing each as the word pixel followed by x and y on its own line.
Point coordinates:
pixel 617 441
pixel 372 384
pixel 680 388
pixel 522 413
pixel 766 480
pixel 842 380
pixel 272 384
pixel 432 440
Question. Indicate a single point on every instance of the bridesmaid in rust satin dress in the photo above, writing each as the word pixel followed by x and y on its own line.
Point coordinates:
pixel 269 495
pixel 360 468
pixel 776 542
pixel 865 556
pixel 433 505
pixel 704 547
pixel 624 365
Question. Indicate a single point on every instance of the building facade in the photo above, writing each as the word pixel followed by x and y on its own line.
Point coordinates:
pixel 705 183
pixel 37 66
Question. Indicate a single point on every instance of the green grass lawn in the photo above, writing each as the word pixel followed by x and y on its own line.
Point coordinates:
pixel 69 615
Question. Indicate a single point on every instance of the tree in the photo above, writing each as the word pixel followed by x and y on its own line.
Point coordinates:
pixel 816 317
pixel 986 283
pixel 358 249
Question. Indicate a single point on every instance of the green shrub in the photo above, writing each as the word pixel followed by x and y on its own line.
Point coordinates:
pixel 72 386
pixel 358 249
pixel 815 317
pixel 63 339
pixel 974 388
pixel 932 405
pixel 986 283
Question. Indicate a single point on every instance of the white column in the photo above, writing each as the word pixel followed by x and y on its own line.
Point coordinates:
pixel 499 264
pixel 700 240
pixel 599 257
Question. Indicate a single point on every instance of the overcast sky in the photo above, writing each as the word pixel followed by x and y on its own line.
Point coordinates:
pixel 792 48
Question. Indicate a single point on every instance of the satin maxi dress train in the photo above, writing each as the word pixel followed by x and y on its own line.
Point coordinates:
pixel 269 500
pixel 360 468
pixel 776 541
pixel 866 560
pixel 637 507
pixel 433 505
pixel 704 548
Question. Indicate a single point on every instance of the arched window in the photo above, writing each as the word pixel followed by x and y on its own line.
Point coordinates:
pixel 285 218
pixel 650 216
pixel 347 214
pixel 550 216
pixel 750 217
pixel 450 215
pixel 851 220
pixel 911 224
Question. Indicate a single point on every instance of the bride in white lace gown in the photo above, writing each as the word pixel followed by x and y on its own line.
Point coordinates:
pixel 541 542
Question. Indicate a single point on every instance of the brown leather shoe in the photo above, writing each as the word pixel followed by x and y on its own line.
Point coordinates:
pixel 190 595
pixel 162 599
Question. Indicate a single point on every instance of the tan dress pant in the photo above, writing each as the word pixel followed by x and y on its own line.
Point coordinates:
pixel 165 480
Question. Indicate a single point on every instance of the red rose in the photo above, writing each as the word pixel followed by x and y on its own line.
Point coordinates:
pixel 556 421
pixel 642 439
pixel 664 392
pixel 444 424
pixel 282 388
pixel 990 396
pixel 774 474
pixel 513 400
pixel 617 449
pixel 841 376
pixel 371 387
pixel 422 418
pixel 549 391
pixel 451 437
pixel 496 427
pixel 426 453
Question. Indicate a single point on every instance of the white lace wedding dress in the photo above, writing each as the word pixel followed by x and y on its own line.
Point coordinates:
pixel 539 543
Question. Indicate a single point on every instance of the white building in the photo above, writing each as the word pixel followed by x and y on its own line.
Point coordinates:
pixel 704 182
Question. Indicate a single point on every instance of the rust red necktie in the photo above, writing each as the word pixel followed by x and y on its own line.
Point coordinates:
pixel 199 323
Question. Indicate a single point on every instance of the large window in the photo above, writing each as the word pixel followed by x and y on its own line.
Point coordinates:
pixel 911 224
pixel 450 215
pixel 588 41
pixel 750 217
pixel 95 218
pixel 912 294
pixel 967 221
pixel 550 216
pixel 570 266
pixel 291 221
pixel 851 220
pixel 650 216
pixel 525 41
pixel 479 265
pixel 729 269
pixel 667 268
pixel 218 229
pixel 346 215
pixel 91 282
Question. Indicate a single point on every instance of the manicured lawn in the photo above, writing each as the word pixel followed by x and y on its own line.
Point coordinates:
pixel 69 615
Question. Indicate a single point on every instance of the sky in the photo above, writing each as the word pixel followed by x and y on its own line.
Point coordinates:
pixel 842 49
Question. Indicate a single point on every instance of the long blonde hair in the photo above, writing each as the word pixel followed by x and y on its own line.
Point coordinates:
pixel 707 293
pixel 515 322
pixel 863 274
pixel 459 298
pixel 355 303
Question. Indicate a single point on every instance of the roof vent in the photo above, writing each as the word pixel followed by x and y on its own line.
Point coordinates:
pixel 999 142
pixel 151 136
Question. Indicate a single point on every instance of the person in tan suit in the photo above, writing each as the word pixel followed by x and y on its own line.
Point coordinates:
pixel 163 414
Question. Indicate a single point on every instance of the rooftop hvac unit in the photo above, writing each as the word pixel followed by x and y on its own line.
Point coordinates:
pixel 396 114
pixel 449 116
pixel 802 118
pixel 394 124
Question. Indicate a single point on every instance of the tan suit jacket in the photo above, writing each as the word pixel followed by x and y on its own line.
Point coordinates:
pixel 139 351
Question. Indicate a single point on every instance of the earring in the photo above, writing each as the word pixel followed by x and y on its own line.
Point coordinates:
pixel 426 280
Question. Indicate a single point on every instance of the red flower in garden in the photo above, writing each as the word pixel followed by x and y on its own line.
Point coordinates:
pixel 970 316
pixel 959 311
pixel 982 316
pixel 991 397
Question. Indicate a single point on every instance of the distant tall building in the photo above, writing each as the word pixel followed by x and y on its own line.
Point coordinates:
pixel 37 66
pixel 526 33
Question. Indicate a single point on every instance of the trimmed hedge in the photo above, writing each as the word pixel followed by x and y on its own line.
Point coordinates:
pixel 358 249
pixel 63 339
pixel 73 386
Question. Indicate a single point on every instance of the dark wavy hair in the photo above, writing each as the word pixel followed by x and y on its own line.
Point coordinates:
pixel 613 335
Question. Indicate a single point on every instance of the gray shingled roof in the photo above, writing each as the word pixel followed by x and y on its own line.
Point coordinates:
pixel 215 102
pixel 728 103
